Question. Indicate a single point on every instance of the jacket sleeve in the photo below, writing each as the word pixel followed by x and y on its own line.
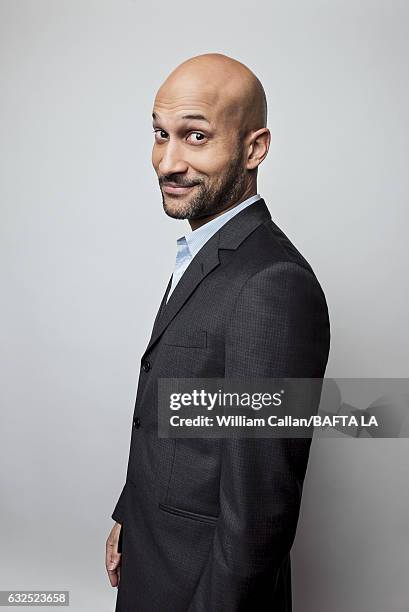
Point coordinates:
pixel 280 328
pixel 119 510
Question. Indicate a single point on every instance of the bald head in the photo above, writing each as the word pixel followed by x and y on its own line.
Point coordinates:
pixel 224 83
pixel 209 119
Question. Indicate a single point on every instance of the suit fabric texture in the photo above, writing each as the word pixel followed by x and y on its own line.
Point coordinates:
pixel 208 524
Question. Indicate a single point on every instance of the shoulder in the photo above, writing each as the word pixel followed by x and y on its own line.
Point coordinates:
pixel 268 258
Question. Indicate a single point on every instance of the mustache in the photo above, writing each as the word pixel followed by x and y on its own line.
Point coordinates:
pixel 175 179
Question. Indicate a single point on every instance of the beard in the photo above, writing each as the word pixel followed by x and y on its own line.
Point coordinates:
pixel 208 199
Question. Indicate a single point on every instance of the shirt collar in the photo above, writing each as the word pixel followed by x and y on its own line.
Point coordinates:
pixel 198 237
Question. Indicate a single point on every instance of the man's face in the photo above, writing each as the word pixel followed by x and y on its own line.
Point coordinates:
pixel 197 154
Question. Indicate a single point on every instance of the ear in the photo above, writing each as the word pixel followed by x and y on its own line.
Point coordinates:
pixel 257 147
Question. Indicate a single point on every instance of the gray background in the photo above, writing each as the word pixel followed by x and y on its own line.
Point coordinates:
pixel 86 252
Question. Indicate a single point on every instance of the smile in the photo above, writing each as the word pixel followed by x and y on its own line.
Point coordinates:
pixel 174 189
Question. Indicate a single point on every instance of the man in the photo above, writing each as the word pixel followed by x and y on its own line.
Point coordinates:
pixel 207 525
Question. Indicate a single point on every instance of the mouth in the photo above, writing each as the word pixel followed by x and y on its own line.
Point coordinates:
pixel 175 189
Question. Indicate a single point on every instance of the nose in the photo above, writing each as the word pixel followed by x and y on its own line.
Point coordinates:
pixel 172 161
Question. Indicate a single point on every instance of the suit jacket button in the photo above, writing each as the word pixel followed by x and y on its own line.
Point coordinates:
pixel 146 366
pixel 136 422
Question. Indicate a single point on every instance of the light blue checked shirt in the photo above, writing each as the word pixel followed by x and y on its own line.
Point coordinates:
pixel 188 246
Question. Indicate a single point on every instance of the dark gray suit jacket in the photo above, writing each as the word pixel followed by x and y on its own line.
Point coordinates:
pixel 208 524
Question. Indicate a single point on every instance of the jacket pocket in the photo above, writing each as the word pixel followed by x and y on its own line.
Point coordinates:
pixel 187 338
pixel 204 518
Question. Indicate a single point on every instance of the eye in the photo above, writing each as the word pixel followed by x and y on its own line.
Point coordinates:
pixel 197 138
pixel 160 135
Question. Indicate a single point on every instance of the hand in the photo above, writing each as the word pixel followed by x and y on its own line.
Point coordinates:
pixel 112 556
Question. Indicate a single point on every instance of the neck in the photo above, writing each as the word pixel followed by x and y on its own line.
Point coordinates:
pixel 196 223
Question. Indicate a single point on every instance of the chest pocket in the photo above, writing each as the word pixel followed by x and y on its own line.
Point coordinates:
pixel 187 338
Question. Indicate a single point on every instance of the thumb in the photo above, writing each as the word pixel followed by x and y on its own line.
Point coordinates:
pixel 114 560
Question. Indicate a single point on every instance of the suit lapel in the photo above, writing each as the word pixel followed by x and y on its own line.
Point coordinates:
pixel 230 236
pixel 162 304
pixel 202 264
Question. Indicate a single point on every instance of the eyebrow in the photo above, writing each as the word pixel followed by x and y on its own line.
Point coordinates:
pixel 196 117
